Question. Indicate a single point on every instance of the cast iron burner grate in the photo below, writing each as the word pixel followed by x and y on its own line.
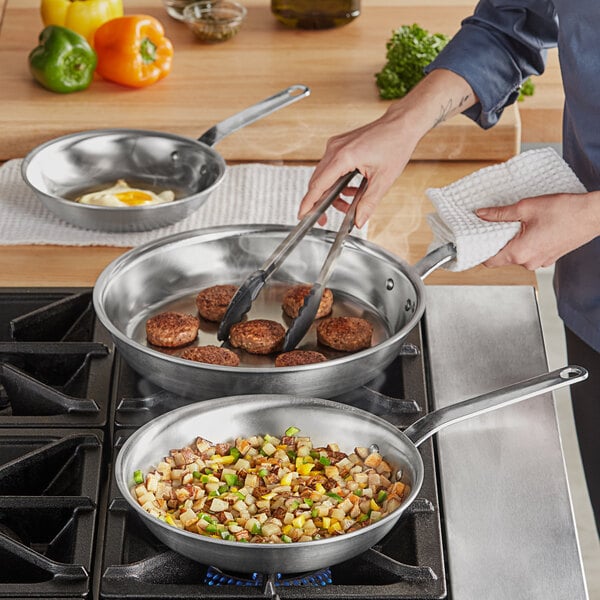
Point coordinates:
pixel 55 360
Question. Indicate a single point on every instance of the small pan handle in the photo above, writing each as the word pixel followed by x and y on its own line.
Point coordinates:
pixel 253 113
pixel 431 423
pixel 436 258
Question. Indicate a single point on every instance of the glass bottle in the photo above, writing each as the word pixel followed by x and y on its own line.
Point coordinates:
pixel 315 14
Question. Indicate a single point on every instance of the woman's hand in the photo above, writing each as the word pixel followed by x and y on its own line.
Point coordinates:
pixel 381 149
pixel 551 226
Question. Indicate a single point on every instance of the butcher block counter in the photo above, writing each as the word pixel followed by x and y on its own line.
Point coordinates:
pixel 211 82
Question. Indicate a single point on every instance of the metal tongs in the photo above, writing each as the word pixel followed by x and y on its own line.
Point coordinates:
pixel 242 300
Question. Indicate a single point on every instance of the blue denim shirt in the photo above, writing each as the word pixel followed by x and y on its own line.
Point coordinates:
pixel 499 46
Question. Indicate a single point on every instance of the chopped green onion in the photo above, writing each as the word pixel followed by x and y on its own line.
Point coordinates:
pixel 263 473
pixel 292 430
pixel 363 517
pixel 211 528
pixel 235 452
pixel 286 539
pixel 358 492
pixel 204 478
pixel 197 475
pixel 208 471
pixel 292 455
pixel 381 496
pixel 222 489
pixel 308 501
pixel 314 512
pixel 138 476
pixel 324 460
pixel 314 454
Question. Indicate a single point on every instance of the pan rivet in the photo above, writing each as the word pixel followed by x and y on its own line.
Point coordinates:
pixel 175 156
pixel 373 448
pixel 389 284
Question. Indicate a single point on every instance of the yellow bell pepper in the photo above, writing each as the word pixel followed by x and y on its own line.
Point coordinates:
pixel 82 16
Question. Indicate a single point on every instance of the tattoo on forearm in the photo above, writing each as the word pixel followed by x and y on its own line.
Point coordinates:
pixel 449 109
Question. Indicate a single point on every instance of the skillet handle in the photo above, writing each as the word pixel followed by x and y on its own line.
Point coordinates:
pixel 431 423
pixel 253 113
pixel 436 258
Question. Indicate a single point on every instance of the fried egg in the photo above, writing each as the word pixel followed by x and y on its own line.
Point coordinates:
pixel 121 194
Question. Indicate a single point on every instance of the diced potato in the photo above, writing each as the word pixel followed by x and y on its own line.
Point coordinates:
pixel 373 460
pixel 362 452
pixel 188 518
pixel 140 490
pixel 270 528
pixel 218 505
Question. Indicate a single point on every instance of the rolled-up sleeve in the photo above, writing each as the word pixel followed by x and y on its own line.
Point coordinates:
pixel 497 48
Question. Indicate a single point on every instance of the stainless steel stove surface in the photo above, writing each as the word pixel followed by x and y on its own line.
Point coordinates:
pixel 66 404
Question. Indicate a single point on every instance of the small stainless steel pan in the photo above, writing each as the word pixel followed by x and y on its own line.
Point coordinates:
pixel 325 422
pixel 61 169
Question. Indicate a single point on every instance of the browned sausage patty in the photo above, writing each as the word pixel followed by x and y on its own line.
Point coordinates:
pixel 257 336
pixel 294 299
pixel 172 329
pixel 295 358
pixel 213 355
pixel 213 301
pixel 345 333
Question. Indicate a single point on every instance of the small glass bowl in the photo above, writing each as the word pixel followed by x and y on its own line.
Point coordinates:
pixel 214 20
pixel 175 8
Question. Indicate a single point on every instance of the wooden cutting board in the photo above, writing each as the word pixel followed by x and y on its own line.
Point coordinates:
pixel 211 82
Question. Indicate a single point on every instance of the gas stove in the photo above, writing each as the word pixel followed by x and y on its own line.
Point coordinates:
pixel 67 403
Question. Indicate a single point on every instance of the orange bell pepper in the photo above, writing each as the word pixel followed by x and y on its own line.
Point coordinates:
pixel 133 50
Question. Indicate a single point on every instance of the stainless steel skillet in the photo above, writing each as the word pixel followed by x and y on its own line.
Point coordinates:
pixel 61 169
pixel 325 422
pixel 167 274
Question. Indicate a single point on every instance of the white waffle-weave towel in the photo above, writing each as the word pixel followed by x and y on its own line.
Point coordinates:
pixel 532 173
pixel 250 194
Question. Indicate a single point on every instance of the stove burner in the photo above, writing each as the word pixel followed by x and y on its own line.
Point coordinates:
pixel 321 578
pixel 67 398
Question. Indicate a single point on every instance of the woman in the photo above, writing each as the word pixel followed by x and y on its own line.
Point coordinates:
pixel 479 73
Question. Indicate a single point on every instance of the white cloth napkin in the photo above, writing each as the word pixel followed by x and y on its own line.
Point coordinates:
pixel 250 194
pixel 532 173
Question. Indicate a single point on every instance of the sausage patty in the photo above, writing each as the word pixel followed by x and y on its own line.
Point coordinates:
pixel 213 301
pixel 294 299
pixel 294 358
pixel 172 329
pixel 345 333
pixel 213 355
pixel 257 336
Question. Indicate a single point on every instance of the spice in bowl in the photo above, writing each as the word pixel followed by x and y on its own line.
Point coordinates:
pixel 214 21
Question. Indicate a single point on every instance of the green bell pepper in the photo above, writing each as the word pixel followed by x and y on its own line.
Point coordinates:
pixel 64 61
